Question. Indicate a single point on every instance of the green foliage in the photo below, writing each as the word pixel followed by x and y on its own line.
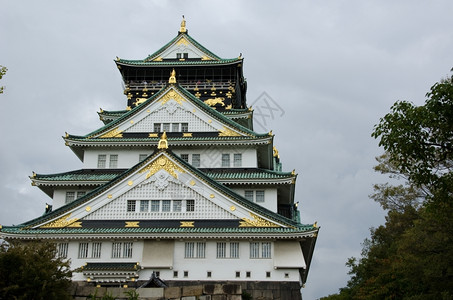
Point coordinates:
pixel 132 295
pixel 411 255
pixel 2 72
pixel 32 271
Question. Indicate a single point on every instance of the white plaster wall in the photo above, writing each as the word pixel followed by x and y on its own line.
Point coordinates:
pixel 126 157
pixel 211 157
pixel 59 196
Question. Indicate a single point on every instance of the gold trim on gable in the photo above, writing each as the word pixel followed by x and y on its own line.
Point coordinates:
pixel 63 222
pixel 256 222
pixel 162 163
pixel 227 132
pixel 171 94
pixel 112 133
pixel 132 224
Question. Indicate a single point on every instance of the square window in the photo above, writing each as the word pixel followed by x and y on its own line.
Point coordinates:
pixel 186 273
pixel 185 157
pixel 175 127
pixel 286 275
pixel 248 195
pixel 238 274
pixel 209 274
pixel 156 127
pixel 225 160
pixel 142 157
pixel 175 274
pixel 130 206
pixel 144 205
pixel 186 55
pixel 237 159
pixel 113 164
pixel 70 196
pixel 248 274
pixel 259 196
pixel 184 127
pixel 166 205
pixel 190 205
pixel 196 160
pixel 268 274
pixel 102 160
pixel 157 273
pixel 155 205
pixel 177 204
pixel 178 55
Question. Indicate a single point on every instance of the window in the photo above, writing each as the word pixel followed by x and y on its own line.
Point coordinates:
pixel 96 250
pixel 166 205
pixel 185 157
pixel 254 196
pixel 177 204
pixel 156 127
pixel 178 55
pixel 142 157
pixel 201 249
pixel 157 273
pixel 166 127
pixel 155 205
pixel 102 160
pixel 190 205
pixel 189 250
pixel 196 160
pixel 259 196
pixel 234 250
pixel 254 250
pixel 144 205
pixel 225 160
pixel 209 274
pixel 186 273
pixel 238 274
pixel 186 55
pixel 81 194
pixel 113 164
pixel 62 250
pixel 175 127
pixel 175 274
pixel 221 250
pixel 130 205
pixel 286 275
pixel 122 250
pixel 127 249
pixel 248 274
pixel 70 196
pixel 248 195
pixel 268 274
pixel 184 127
pixel 83 250
pixel 237 159
pixel 266 250
pixel 195 250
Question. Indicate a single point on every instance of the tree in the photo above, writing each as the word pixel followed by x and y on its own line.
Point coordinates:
pixel 411 255
pixel 2 72
pixel 33 271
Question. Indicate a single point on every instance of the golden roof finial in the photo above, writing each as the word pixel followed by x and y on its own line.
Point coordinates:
pixel 172 78
pixel 183 25
pixel 163 143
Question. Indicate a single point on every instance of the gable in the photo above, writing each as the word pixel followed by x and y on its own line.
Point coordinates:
pixel 170 106
pixel 162 177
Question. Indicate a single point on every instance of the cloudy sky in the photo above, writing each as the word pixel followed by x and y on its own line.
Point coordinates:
pixel 331 69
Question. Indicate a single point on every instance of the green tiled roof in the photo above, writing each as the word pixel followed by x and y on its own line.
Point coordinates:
pixel 177 62
pixel 82 175
pixel 245 174
pixel 111 266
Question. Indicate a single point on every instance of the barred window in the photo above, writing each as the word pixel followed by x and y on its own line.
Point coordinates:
pixel 62 250
pixel 234 250
pixel 80 194
pixel 254 250
pixel 113 164
pixel 189 249
pixel 248 195
pixel 127 250
pixel 266 250
pixel 122 250
pixel 96 250
pixel 237 159
pixel 201 249
pixel 166 127
pixel 221 250
pixel 130 205
pixel 156 127
pixel 102 160
pixel 116 250
pixel 195 250
pixel 70 196
pixel 184 127
pixel 185 157
pixel 175 127
pixel 83 250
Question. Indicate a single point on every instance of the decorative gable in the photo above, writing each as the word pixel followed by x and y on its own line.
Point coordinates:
pixel 183 48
